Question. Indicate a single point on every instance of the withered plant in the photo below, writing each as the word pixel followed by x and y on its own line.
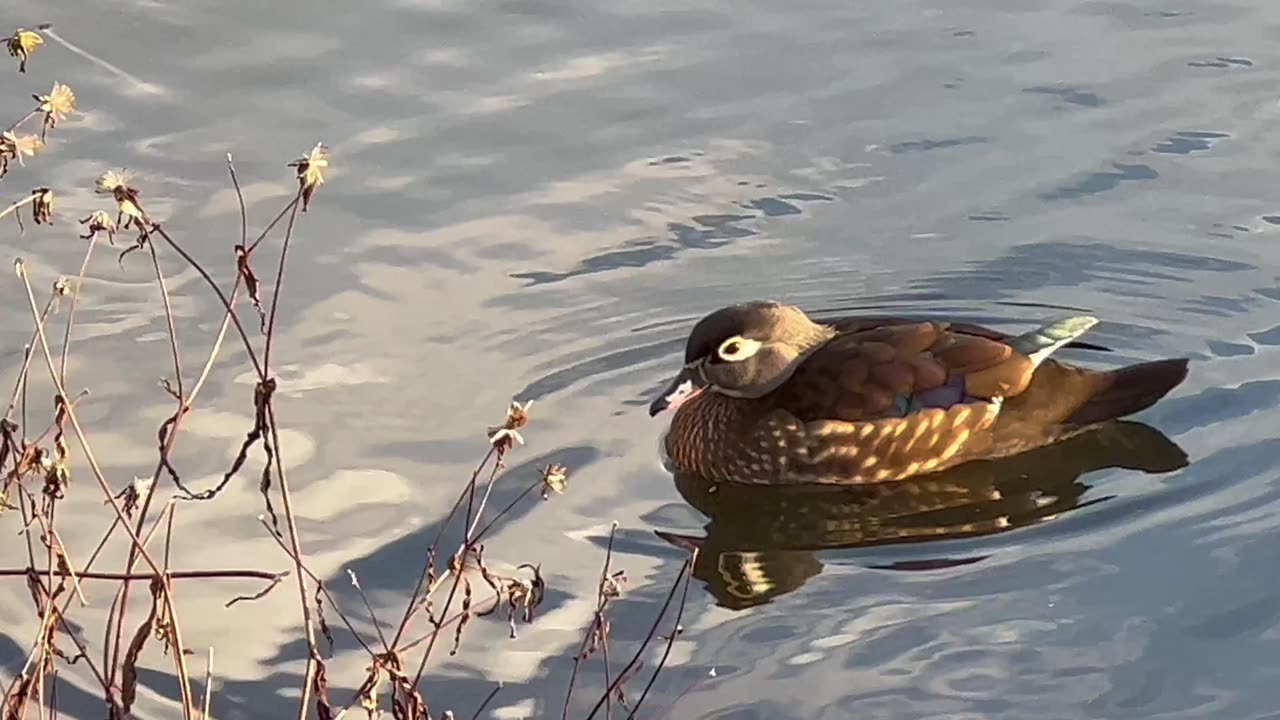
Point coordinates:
pixel 455 585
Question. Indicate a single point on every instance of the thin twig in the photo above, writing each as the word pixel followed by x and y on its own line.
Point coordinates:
pixel 24 201
pixel 226 303
pixel 244 213
pixel 71 310
pixel 676 629
pixel 25 118
pixel 597 626
pixel 417 594
pixel 653 630
pixel 324 590
pixel 275 291
pixel 86 447
pixel 296 546
pixel 174 575
pixel 488 699
pixel 208 677
pixel 168 316
pixel 373 616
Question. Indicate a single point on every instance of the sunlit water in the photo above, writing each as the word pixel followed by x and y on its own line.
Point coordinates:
pixel 537 198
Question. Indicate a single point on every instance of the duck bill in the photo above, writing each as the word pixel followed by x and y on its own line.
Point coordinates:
pixel 683 387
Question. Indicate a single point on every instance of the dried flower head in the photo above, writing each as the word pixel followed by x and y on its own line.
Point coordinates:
pixel 554 478
pixel 524 596
pixel 134 493
pixel 311 169
pixel 13 147
pixel 611 586
pixel 62 286
pixel 59 103
pixel 42 206
pixel 504 436
pixel 116 184
pixel 111 180
pixel 100 222
pixel 22 43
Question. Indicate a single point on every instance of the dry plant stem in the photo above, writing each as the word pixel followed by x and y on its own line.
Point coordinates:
pixel 484 610
pixel 87 448
pixel 271 225
pixel 25 118
pixel 474 520
pixel 168 537
pixel 71 311
pixel 66 558
pixel 226 303
pixel 37 646
pixel 172 575
pixel 496 453
pixel 502 513
pixel 373 617
pixel 84 651
pixel 164 451
pixel 332 603
pixel 275 291
pixel 40 648
pixel 422 579
pixel 488 699
pixel 24 201
pixel 262 371
pixel 244 212
pixel 70 632
pixel 31 442
pixel 184 403
pixel 235 290
pixel 20 387
pixel 109 658
pixel 208 678
pixel 213 353
pixel 296 547
pixel 597 624
pixel 671 639
pixel 173 331
pixel 27 521
pixel 653 631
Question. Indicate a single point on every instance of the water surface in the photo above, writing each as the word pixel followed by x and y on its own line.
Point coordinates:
pixel 537 198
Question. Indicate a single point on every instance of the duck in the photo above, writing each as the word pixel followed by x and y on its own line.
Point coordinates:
pixel 769 396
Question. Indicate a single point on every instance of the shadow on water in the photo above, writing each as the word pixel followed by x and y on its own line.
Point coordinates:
pixel 762 542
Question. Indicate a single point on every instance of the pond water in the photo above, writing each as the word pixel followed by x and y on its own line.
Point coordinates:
pixel 537 198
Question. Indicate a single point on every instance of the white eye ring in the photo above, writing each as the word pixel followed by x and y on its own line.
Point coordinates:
pixel 738 348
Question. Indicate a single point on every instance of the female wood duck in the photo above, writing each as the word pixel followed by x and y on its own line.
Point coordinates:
pixel 768 396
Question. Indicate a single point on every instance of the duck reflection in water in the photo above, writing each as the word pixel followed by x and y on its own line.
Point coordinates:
pixel 762 541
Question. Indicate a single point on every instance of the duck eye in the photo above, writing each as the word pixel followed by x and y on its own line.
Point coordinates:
pixel 737 348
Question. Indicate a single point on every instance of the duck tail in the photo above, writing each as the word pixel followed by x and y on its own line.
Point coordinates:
pixel 1042 342
pixel 1130 389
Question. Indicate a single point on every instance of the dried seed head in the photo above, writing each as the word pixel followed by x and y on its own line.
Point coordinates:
pixel 100 221
pixel 554 479
pixel 14 147
pixel 111 181
pixel 504 436
pixel 59 103
pixel 134 493
pixel 311 168
pixel 42 206
pixel 62 286
pixel 21 44
pixel 611 586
